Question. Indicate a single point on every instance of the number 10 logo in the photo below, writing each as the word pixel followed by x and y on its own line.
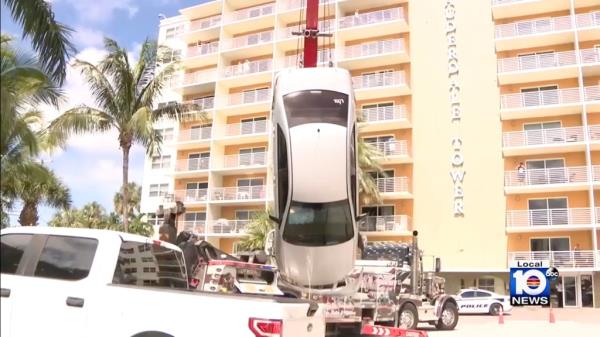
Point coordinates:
pixel 531 282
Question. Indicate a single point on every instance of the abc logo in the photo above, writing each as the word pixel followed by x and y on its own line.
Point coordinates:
pixel 531 282
pixel 552 274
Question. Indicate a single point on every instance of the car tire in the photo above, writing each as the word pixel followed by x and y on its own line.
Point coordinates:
pixel 408 317
pixel 495 309
pixel 449 317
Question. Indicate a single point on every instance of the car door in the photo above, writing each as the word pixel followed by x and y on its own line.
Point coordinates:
pixel 482 301
pixel 465 303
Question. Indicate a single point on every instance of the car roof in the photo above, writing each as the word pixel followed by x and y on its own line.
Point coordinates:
pixel 475 289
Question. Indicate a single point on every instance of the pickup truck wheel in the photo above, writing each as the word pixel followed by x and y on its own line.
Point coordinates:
pixel 408 317
pixel 449 317
pixel 151 334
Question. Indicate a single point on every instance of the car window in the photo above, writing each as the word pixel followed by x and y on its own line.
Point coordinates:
pixel 316 106
pixel 12 248
pixel 482 294
pixel 468 294
pixel 66 258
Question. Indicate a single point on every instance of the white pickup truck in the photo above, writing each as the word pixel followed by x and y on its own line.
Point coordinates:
pixel 82 283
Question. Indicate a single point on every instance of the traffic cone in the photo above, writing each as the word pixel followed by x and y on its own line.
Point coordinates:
pixel 552 318
pixel 501 316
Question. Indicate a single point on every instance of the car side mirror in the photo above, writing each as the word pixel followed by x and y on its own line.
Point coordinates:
pixel 438 264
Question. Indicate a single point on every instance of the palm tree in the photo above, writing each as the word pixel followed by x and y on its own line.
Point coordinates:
pixel 135 197
pixel 257 231
pixel 49 38
pixel 125 95
pixel 368 161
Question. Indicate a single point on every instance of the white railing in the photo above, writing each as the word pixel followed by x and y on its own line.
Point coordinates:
pixel 201 76
pixel 543 137
pixel 238 193
pixel 384 114
pixel 323 56
pixel 249 97
pixel 540 98
pixel 592 93
pixel 201 104
pixel 246 128
pixel 196 164
pixel 391 148
pixel 252 12
pixel 537 62
pixel 533 27
pixel 588 20
pixel 505 2
pixel 392 184
pixel 205 23
pixel 549 217
pixel 591 55
pixel 374 48
pixel 385 223
pixel 294 4
pixel 549 176
pixel 244 159
pixel 224 226
pixel 203 49
pixel 196 226
pixel 371 17
pixel 203 133
pixel 325 26
pixel 559 259
pixel 384 79
pixel 248 40
pixel 192 195
pixel 245 68
pixel 594 132
pixel 596 173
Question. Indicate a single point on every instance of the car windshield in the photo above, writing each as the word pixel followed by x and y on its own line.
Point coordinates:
pixel 318 224
pixel 316 106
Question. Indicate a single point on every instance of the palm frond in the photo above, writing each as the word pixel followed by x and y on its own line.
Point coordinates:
pixel 142 128
pixel 78 120
pixel 102 90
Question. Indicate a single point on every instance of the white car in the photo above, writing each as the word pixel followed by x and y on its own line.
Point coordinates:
pixel 479 301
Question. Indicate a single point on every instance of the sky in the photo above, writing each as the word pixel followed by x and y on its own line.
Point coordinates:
pixel 91 165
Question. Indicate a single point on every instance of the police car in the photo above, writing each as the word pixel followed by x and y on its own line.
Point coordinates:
pixel 479 301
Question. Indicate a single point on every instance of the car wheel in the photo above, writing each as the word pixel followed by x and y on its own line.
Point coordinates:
pixel 408 317
pixel 448 318
pixel 495 309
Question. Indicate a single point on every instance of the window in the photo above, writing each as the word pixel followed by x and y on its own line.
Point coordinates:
pixel 548 132
pixel 377 78
pixel 253 125
pixel 282 172
pixel 161 162
pixel 316 106
pixel 550 244
pixel 166 134
pixel 254 156
pixel 165 104
pixel 195 191
pixel 538 60
pixel 467 294
pixel 250 188
pixel 174 31
pixel 383 184
pixel 173 55
pixel 198 132
pixel 154 220
pixel 66 258
pixel 12 248
pixel 245 215
pixel 198 161
pixel 318 224
pixel 486 283
pixel 546 171
pixel 548 211
pixel 254 95
pixel 540 95
pixel 193 218
pixel 168 265
pixel 378 112
pixel 384 144
pixel 482 294
pixel 158 190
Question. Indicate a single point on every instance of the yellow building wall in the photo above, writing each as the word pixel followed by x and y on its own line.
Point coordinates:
pixel 520 242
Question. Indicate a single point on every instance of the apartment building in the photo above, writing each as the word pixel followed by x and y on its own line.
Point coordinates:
pixel 484 113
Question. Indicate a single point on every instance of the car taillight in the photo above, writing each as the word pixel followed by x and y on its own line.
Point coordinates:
pixel 265 327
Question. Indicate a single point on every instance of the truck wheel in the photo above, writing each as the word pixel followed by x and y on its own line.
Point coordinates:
pixel 408 317
pixel 495 309
pixel 449 317
pixel 151 334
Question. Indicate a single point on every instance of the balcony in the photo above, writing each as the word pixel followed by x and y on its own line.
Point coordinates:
pixel 239 47
pixel 244 160
pixel 592 98
pixel 247 73
pixel 244 194
pixel 588 25
pixel 514 8
pixel 594 134
pixel 372 24
pixel 383 84
pixel 373 54
pixel 590 61
pixel 203 29
pixel 394 187
pixel 569 259
pixel 545 220
pixel 252 12
pixel 287 41
pixel 201 55
pixel 393 152
pixel 197 108
pixel 192 196
pixel 243 133
pixel 197 227
pixel 192 138
pixel 386 225
pixel 251 18
pixel 540 67
pixel 247 102
pixel 198 81
pixel 197 167
pixel 543 141
pixel 534 33
pixel 323 58
pixel 384 118
pixel 541 103
pixel 225 227
pixel 557 179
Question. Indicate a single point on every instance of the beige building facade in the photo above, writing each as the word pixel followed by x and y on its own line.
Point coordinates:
pixel 487 115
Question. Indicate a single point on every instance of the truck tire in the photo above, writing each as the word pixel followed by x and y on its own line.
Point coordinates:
pixel 449 317
pixel 152 334
pixel 495 309
pixel 408 317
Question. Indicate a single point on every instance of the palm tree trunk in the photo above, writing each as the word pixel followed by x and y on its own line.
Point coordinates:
pixel 29 214
pixel 125 149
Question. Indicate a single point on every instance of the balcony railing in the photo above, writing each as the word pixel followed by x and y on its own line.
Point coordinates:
pixel 543 137
pixel 549 217
pixel 192 195
pixel 391 148
pixel 559 259
pixel 590 56
pixel 245 68
pixel 252 12
pixel 384 79
pixel 203 133
pixel 242 129
pixel 224 226
pixel 196 164
pixel 505 2
pixel 592 93
pixel 196 226
pixel 371 17
pixel 323 56
pixel 374 48
pixel 549 176
pixel 537 62
pixel 205 23
pixel 540 98
pixel 324 27
pixel 201 104
pixel 249 40
pixel 386 223
pixel 588 20
pixel 533 27
pixel 203 49
pixel 249 97
pixel 202 76
pixel 594 132
pixel 384 114
pixel 238 193
pixel 245 159
pixel 294 4
pixel 392 184
pixel 596 173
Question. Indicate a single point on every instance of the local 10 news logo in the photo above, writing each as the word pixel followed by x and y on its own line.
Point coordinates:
pixel 530 282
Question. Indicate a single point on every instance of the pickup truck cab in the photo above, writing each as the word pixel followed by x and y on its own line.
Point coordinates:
pixel 85 282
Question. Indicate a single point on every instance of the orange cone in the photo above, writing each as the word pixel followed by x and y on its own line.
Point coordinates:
pixel 501 316
pixel 552 318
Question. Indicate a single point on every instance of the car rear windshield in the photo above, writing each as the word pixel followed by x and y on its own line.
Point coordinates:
pixel 318 224
pixel 316 106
